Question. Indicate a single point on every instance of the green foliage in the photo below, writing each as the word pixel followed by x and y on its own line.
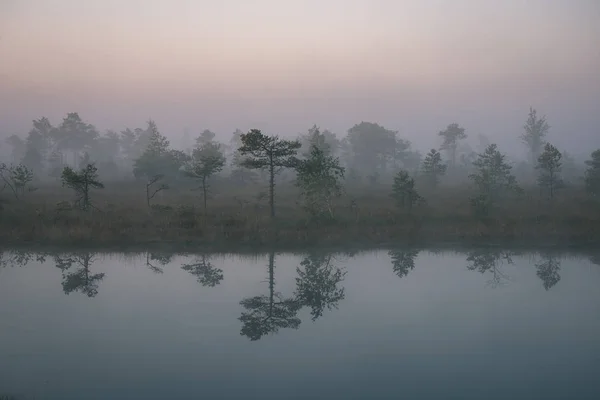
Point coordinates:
pixel 206 161
pixel 404 192
pixel 16 178
pixel 451 136
pixel 433 167
pixel 536 130
pixel 319 179
pixel 592 174
pixel 268 153
pixel 81 182
pixel 492 178
pixel 550 166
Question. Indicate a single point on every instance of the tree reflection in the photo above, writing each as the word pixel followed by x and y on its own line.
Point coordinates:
pixel 78 279
pixel 548 270
pixel 490 260
pixel 268 314
pixel 204 271
pixel 20 258
pixel 317 284
pixel 155 261
pixel 403 261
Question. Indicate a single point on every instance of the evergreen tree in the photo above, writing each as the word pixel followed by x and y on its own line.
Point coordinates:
pixel 433 167
pixel 592 174
pixel 268 153
pixel 549 164
pixel 536 129
pixel 319 179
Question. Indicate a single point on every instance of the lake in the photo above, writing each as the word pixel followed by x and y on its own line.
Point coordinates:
pixel 415 324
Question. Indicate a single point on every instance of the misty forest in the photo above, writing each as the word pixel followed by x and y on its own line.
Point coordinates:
pixel 66 182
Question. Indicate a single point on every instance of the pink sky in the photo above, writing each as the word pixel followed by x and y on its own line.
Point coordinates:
pixel 284 65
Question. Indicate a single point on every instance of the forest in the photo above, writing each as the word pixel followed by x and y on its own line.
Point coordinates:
pixel 71 184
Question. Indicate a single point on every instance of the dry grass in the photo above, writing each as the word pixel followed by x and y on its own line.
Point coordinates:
pixel 238 218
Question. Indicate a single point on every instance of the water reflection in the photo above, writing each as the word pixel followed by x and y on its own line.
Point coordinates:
pixel 491 261
pixel 76 273
pixel 204 271
pixel 403 261
pixel 548 270
pixel 268 314
pixel 156 261
pixel 318 284
pixel 19 258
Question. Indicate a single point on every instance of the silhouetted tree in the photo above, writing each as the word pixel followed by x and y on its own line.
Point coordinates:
pixel 81 279
pixel 74 135
pixel 204 271
pixel 268 153
pixel 325 141
pixel 205 138
pixel 319 180
pixel 592 174
pixel 433 167
pixel 451 136
pixel 549 164
pixel 18 148
pixel 492 178
pixel 404 192
pixel 317 284
pixel 371 147
pixel 268 314
pixel 16 178
pixel 536 130
pixel 81 182
pixel 403 261
pixel 548 271
pixel 37 145
pixel 207 160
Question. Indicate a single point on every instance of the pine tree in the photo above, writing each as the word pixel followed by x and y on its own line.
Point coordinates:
pixel 549 164
pixel 433 167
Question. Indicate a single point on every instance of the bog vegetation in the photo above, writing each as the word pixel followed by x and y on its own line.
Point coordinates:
pixel 72 184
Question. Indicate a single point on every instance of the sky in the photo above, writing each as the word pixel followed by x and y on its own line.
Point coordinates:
pixel 283 65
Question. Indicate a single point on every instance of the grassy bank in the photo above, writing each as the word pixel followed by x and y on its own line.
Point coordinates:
pixel 238 218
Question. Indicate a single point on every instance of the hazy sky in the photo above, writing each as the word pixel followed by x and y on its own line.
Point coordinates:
pixel 282 65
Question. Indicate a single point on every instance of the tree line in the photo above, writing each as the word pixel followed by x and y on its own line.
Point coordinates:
pixel 78 156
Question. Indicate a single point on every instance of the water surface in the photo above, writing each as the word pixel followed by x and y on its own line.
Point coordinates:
pixel 481 324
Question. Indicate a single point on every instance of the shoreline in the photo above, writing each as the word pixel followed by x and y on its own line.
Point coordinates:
pixel 413 233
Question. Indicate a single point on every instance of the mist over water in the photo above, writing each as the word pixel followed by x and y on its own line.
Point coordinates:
pixel 378 324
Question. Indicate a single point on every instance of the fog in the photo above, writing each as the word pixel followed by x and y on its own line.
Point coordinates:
pixel 411 66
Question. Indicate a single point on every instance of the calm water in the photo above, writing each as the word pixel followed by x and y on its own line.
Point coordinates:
pixel 380 325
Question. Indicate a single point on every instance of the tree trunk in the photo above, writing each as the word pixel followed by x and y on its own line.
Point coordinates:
pixel 272 189
pixel 271 282
pixel 148 194
pixel 85 196
pixel 204 193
